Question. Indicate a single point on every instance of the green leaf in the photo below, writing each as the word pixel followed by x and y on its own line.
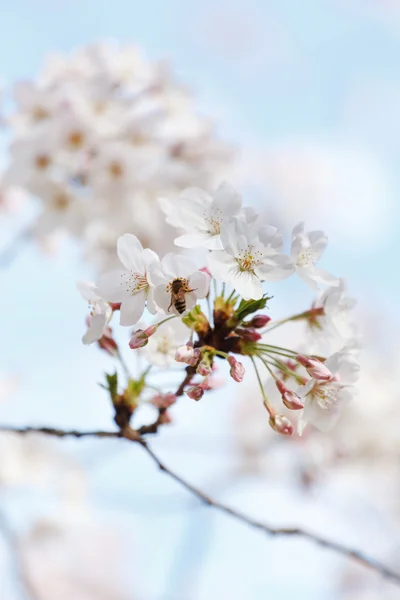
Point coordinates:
pixel 111 386
pixel 248 307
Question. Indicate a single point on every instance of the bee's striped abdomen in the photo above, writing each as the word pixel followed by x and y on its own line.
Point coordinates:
pixel 180 306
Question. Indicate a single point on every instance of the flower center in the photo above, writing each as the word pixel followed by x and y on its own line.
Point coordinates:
pixel 213 220
pixel 75 140
pixel 115 169
pixel 249 259
pixel 326 395
pixel 134 282
pixel 164 345
pixel 42 161
pixel 307 258
pixel 61 202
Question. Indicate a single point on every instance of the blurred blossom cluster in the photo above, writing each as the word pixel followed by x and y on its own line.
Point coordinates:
pixel 98 137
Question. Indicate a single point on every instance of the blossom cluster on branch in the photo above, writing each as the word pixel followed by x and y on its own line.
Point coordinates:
pixel 217 313
pixel 98 137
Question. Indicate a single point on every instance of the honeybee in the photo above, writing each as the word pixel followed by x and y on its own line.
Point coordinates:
pixel 179 288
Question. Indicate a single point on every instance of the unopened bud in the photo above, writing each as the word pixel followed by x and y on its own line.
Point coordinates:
pixel 187 354
pixel 237 369
pixel 195 393
pixel 204 368
pixel 289 398
pixel 138 340
pixel 107 342
pixel 163 400
pixel 281 425
pixel 315 368
pixel 259 321
pixel 249 333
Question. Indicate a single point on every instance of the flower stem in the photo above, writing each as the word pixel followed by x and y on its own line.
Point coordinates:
pixel 166 320
pixel 123 364
pixel 265 399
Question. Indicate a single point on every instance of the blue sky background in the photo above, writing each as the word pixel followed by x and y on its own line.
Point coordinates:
pixel 270 71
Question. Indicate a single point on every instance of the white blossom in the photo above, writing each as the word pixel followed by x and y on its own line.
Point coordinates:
pixel 251 255
pixel 100 312
pixel 333 319
pixel 202 215
pixel 130 286
pixel 161 348
pixel 306 250
pixel 117 131
pixel 324 400
pixel 172 267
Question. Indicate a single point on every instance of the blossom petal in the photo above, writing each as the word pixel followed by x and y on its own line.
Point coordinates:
pixel 298 230
pixel 222 265
pixel 280 267
pixel 193 240
pixel 87 290
pixel 162 298
pixel 200 283
pixel 248 285
pixel 227 200
pixel 111 286
pixel 192 207
pixel 322 418
pixel 132 309
pixel 318 242
pixel 97 325
pixel 322 276
pixel 149 257
pixel 130 251
pixel 176 265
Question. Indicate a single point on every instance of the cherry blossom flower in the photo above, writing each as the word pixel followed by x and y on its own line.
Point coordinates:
pixel 202 215
pixel 306 250
pixel 331 322
pixel 100 312
pixel 172 267
pixel 250 256
pixel 130 286
pixel 162 346
pixel 324 400
pixel 119 132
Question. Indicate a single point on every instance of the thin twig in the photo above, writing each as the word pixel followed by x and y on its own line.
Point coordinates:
pixel 134 436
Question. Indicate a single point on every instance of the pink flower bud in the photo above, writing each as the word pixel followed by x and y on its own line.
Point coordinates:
pixel 204 368
pixel 237 369
pixel 163 400
pixel 259 321
pixel 195 393
pixel 249 334
pixel 187 354
pixel 107 342
pixel 289 398
pixel 151 330
pixel 315 368
pixel 281 424
pixel 138 339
